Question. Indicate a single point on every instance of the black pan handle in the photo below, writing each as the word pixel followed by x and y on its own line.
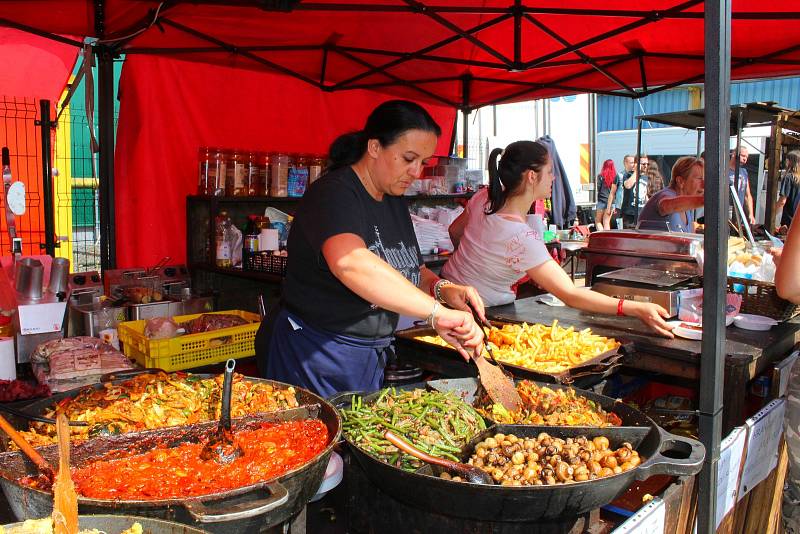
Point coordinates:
pixel 220 511
pixel 659 464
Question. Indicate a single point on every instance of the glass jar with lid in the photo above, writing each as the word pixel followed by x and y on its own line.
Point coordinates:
pixel 252 175
pixel 315 166
pixel 206 165
pixel 216 183
pixel 279 175
pixel 263 173
pixel 235 182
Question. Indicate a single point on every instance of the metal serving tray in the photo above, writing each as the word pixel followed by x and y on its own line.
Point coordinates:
pixel 645 243
pixel 598 367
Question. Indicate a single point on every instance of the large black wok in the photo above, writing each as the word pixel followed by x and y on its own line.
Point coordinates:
pixel 114 524
pixel 248 508
pixel 662 454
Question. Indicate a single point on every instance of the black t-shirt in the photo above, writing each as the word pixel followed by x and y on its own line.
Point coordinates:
pixel 628 196
pixel 791 190
pixel 337 204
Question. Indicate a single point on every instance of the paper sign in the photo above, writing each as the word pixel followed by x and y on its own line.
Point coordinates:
pixel 648 520
pixel 784 370
pixel 764 432
pixel 730 463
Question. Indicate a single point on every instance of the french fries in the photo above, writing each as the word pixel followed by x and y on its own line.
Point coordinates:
pixel 542 348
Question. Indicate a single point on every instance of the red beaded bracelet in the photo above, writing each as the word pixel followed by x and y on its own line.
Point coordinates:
pixel 432 287
pixel 620 313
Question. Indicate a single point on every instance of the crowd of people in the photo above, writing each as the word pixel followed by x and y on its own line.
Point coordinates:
pixel 656 204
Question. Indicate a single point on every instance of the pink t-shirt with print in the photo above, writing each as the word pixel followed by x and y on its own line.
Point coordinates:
pixel 494 253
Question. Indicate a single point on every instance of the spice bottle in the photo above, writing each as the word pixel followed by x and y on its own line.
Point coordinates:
pixel 279 175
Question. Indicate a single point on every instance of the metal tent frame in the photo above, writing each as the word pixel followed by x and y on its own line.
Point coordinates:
pixel 713 67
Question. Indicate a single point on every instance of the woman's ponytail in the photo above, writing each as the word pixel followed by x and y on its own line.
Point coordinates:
pixel 497 191
pixel 346 150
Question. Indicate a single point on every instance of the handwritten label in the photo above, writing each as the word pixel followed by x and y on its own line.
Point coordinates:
pixel 764 432
pixel 648 520
pixel 730 463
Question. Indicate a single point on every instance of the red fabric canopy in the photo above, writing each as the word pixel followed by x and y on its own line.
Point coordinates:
pixel 563 46
pixel 171 108
pixel 33 66
pixel 240 74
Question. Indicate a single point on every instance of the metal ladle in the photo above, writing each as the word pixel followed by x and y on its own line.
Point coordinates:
pixel 221 446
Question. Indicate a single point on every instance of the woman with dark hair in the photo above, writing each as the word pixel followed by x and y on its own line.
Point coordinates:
pixel 497 249
pixel 354 263
pixel 789 195
pixel 606 189
pixel 672 208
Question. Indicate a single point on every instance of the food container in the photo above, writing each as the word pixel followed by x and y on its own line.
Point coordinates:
pixel 661 453
pixel 114 524
pixel 191 350
pixel 747 321
pixel 245 509
pixel 598 367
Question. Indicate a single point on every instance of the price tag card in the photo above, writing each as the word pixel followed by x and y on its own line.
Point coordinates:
pixel 729 466
pixel 648 520
pixel 764 432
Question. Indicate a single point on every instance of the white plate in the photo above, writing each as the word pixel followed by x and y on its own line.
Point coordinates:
pixel 682 331
pixel 754 322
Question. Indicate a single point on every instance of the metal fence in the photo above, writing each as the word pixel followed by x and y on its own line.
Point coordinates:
pixel 75 199
pixel 20 133
pixel 75 191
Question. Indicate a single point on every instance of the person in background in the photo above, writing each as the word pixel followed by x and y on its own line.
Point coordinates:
pixel 627 169
pixel 743 191
pixel 354 264
pixel 496 249
pixel 787 283
pixel 789 193
pixel 606 191
pixel 629 210
pixel 655 180
pixel 672 208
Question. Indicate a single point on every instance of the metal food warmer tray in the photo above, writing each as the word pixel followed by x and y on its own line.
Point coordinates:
pixel 593 370
pixel 647 285
pixel 611 250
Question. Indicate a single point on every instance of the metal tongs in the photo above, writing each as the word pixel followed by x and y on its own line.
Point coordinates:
pixel 487 327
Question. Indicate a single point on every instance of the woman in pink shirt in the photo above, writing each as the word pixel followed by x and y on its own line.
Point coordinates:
pixel 497 249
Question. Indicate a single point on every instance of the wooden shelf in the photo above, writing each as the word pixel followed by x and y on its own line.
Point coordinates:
pixel 279 200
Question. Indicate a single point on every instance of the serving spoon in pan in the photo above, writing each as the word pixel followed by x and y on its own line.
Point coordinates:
pixel 497 384
pixel 221 447
pixel 468 472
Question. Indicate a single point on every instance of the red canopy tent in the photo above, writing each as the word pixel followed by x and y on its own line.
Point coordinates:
pixel 458 54
pixel 327 63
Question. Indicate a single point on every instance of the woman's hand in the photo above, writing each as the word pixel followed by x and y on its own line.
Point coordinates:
pixel 459 329
pixel 650 314
pixel 457 296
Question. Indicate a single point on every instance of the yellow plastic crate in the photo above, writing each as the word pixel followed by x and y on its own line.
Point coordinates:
pixel 193 350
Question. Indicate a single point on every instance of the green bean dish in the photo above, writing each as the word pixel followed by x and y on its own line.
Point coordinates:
pixel 436 422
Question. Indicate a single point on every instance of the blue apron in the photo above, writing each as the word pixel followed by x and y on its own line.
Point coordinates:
pixel 323 362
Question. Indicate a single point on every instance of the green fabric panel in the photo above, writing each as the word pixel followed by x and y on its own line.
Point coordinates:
pixel 83 207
